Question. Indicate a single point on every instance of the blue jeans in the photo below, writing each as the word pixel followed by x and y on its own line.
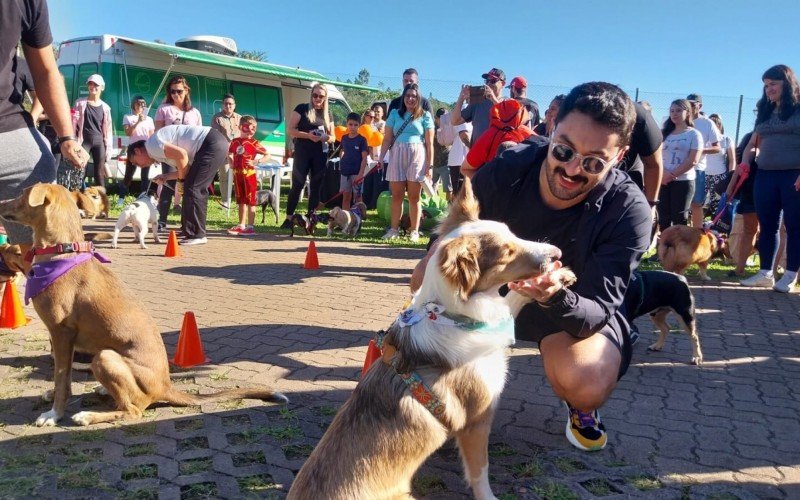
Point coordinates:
pixel 774 192
pixel 699 188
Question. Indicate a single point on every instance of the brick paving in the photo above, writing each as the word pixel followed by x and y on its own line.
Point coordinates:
pixel 728 429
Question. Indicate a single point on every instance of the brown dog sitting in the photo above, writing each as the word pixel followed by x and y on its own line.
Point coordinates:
pixel 681 246
pixel 86 308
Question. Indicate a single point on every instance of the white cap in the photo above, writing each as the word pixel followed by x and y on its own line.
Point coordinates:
pixel 97 79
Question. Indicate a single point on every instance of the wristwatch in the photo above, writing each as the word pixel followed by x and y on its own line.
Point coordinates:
pixel 65 139
pixel 652 203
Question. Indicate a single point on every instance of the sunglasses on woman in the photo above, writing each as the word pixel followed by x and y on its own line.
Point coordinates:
pixel 590 164
pixel 318 96
pixel 176 91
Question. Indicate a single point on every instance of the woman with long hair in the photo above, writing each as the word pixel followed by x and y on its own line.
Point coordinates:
pixel 176 109
pixel 682 148
pixel 409 134
pixel 311 127
pixel 775 144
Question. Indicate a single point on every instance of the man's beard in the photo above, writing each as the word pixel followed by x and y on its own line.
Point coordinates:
pixel 560 191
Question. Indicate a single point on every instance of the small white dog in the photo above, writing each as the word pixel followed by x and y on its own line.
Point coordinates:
pixel 349 220
pixel 138 214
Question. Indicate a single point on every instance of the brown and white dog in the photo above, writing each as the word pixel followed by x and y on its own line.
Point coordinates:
pixel 681 246
pixel 92 202
pixel 443 368
pixel 348 220
pixel 88 309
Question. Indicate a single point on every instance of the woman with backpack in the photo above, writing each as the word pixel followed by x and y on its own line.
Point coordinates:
pixel 409 135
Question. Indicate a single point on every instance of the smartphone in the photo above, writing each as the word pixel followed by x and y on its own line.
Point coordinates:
pixel 477 93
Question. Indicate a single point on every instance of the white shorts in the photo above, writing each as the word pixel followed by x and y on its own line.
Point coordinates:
pixel 406 163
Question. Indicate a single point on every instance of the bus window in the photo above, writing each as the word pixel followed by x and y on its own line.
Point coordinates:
pixel 68 72
pixel 339 111
pixel 259 101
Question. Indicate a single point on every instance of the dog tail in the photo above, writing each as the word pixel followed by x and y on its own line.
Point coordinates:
pixel 180 398
pixel 98 236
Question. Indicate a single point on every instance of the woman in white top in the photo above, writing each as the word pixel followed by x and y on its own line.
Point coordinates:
pixel 195 153
pixel 718 167
pixel 138 127
pixel 177 109
pixel 681 150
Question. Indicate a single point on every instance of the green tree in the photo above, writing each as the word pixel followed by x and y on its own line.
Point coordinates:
pixel 253 55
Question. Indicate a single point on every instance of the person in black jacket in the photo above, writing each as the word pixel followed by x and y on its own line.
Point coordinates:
pixel 567 192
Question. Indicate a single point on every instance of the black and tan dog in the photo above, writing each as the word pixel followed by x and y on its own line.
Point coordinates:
pixel 87 308
pixel 659 293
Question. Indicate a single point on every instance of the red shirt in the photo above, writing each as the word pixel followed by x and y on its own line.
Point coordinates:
pixel 505 125
pixel 244 150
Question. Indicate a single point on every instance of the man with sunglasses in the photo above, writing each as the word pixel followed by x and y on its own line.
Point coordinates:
pixel 568 193
pixel 477 113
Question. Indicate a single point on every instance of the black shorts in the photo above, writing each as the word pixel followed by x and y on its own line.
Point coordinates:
pixel 619 335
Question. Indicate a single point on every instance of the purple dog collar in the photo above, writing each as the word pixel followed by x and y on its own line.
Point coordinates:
pixel 44 274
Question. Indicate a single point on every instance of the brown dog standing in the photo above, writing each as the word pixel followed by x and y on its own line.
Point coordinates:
pixel 88 309
pixel 681 246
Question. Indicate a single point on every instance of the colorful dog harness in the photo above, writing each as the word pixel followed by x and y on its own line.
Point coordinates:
pixel 44 274
pixel 436 313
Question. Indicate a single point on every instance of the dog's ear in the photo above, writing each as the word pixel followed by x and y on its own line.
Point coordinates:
pixel 458 263
pixel 38 195
pixel 464 208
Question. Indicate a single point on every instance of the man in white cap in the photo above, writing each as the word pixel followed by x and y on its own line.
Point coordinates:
pixel 91 119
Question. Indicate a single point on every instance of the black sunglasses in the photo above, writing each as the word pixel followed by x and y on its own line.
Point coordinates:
pixel 590 164
pixel 318 96
pixel 176 91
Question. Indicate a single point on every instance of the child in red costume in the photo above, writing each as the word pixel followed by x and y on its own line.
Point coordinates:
pixel 506 120
pixel 242 154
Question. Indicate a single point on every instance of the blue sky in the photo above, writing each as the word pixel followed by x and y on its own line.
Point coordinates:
pixel 665 48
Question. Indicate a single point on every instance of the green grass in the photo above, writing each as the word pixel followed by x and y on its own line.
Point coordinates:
pixel 142 471
pixel 248 458
pixel 294 451
pixel 501 450
pixel 140 429
pixel 371 231
pixel 195 465
pixel 255 484
pixel 427 485
pixel 139 449
pixel 140 494
pixel 327 411
pixel 199 491
pixel 643 482
pixel 21 462
pixel 568 465
pixel 598 487
pixel 85 477
pixel 527 469
pixel 19 487
pixel 555 491
pixel 287 414
pixel 218 376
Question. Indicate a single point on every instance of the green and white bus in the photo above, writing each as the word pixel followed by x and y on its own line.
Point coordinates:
pixel 130 67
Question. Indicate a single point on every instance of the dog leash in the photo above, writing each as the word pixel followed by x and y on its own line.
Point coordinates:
pixel 739 183
pixel 357 180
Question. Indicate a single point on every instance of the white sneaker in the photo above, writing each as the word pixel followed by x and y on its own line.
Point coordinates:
pixel 194 241
pixel 414 236
pixel 759 280
pixel 391 234
pixel 785 284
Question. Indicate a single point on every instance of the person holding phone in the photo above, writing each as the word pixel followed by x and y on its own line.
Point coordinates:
pixel 477 111
pixel 138 127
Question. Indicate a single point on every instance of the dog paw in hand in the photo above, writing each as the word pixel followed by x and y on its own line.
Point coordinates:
pixel 48 395
pixel 48 419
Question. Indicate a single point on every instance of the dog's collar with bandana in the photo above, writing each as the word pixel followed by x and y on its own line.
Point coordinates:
pixel 61 248
pixel 44 274
pixel 438 314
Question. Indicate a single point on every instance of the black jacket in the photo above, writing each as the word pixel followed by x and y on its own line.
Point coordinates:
pixel 603 239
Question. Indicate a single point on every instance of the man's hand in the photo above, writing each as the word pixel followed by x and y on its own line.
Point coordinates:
pixel 159 179
pixel 542 288
pixel 74 154
pixel 464 94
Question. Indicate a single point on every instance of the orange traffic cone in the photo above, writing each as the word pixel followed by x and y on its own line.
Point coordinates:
pixel 173 250
pixel 190 349
pixel 312 262
pixel 11 313
pixel 373 355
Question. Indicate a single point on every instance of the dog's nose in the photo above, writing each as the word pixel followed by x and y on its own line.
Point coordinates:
pixel 554 253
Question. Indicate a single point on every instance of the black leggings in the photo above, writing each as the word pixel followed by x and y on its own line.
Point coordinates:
pixel 675 200
pixel 306 162
pixel 130 168
pixel 207 161
pixel 94 145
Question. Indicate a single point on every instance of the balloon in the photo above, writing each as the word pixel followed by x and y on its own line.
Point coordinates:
pixel 367 131
pixel 376 140
pixel 339 132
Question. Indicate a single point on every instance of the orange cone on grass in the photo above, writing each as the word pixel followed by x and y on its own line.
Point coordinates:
pixel 190 349
pixel 373 355
pixel 312 262
pixel 11 313
pixel 173 250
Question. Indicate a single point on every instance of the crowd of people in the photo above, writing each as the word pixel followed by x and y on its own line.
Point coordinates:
pixel 591 178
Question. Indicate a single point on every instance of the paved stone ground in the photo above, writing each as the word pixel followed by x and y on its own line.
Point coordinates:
pixel 728 429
